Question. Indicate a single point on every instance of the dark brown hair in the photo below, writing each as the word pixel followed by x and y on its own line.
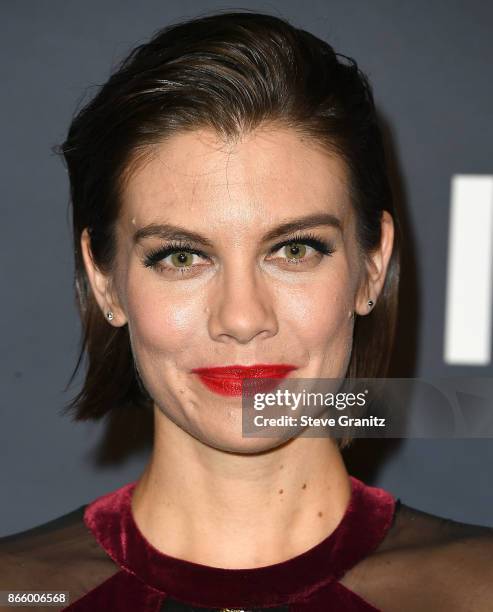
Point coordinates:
pixel 230 72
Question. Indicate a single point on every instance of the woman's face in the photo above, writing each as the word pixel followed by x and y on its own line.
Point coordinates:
pixel 244 289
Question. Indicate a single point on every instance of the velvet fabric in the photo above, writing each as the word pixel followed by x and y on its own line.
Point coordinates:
pixel 148 579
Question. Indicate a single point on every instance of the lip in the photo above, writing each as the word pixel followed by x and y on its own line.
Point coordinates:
pixel 228 380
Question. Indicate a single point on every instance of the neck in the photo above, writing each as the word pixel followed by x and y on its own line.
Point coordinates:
pixel 231 510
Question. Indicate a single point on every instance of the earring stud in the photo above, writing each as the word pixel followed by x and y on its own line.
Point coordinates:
pixel 109 315
pixel 370 303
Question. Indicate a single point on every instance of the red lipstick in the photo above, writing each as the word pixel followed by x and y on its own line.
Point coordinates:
pixel 228 380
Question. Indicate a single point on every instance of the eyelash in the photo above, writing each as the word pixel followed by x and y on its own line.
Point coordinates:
pixel 153 259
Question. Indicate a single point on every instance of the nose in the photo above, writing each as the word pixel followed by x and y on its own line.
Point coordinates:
pixel 241 308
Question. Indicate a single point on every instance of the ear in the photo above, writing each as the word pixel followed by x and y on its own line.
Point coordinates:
pixel 376 267
pixel 101 284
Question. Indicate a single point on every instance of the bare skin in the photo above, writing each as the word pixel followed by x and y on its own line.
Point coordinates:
pixel 207 494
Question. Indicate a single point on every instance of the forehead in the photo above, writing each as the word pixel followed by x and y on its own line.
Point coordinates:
pixel 263 177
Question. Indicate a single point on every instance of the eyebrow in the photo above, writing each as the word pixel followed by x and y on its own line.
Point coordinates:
pixel 166 231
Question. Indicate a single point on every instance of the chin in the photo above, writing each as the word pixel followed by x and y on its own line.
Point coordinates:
pixel 238 444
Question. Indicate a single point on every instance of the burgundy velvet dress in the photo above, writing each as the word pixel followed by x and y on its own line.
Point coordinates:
pixel 150 580
pixel 383 555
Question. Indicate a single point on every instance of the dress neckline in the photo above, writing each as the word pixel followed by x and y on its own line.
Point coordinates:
pixel 367 519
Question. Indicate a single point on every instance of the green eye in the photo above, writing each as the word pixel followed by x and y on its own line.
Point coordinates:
pixel 295 250
pixel 182 259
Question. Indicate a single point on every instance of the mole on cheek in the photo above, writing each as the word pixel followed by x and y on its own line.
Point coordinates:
pixel 281 491
pixel 304 485
pixel 320 514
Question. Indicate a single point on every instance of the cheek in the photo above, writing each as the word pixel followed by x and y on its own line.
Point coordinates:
pixel 160 321
pixel 320 311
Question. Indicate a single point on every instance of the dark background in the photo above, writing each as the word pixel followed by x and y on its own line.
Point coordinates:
pixel 430 66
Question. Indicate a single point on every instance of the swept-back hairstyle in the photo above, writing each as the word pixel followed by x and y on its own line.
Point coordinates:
pixel 230 72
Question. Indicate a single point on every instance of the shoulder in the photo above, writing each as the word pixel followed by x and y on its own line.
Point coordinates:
pixel 412 527
pixel 452 560
pixel 52 556
pixel 428 562
pixel 464 562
